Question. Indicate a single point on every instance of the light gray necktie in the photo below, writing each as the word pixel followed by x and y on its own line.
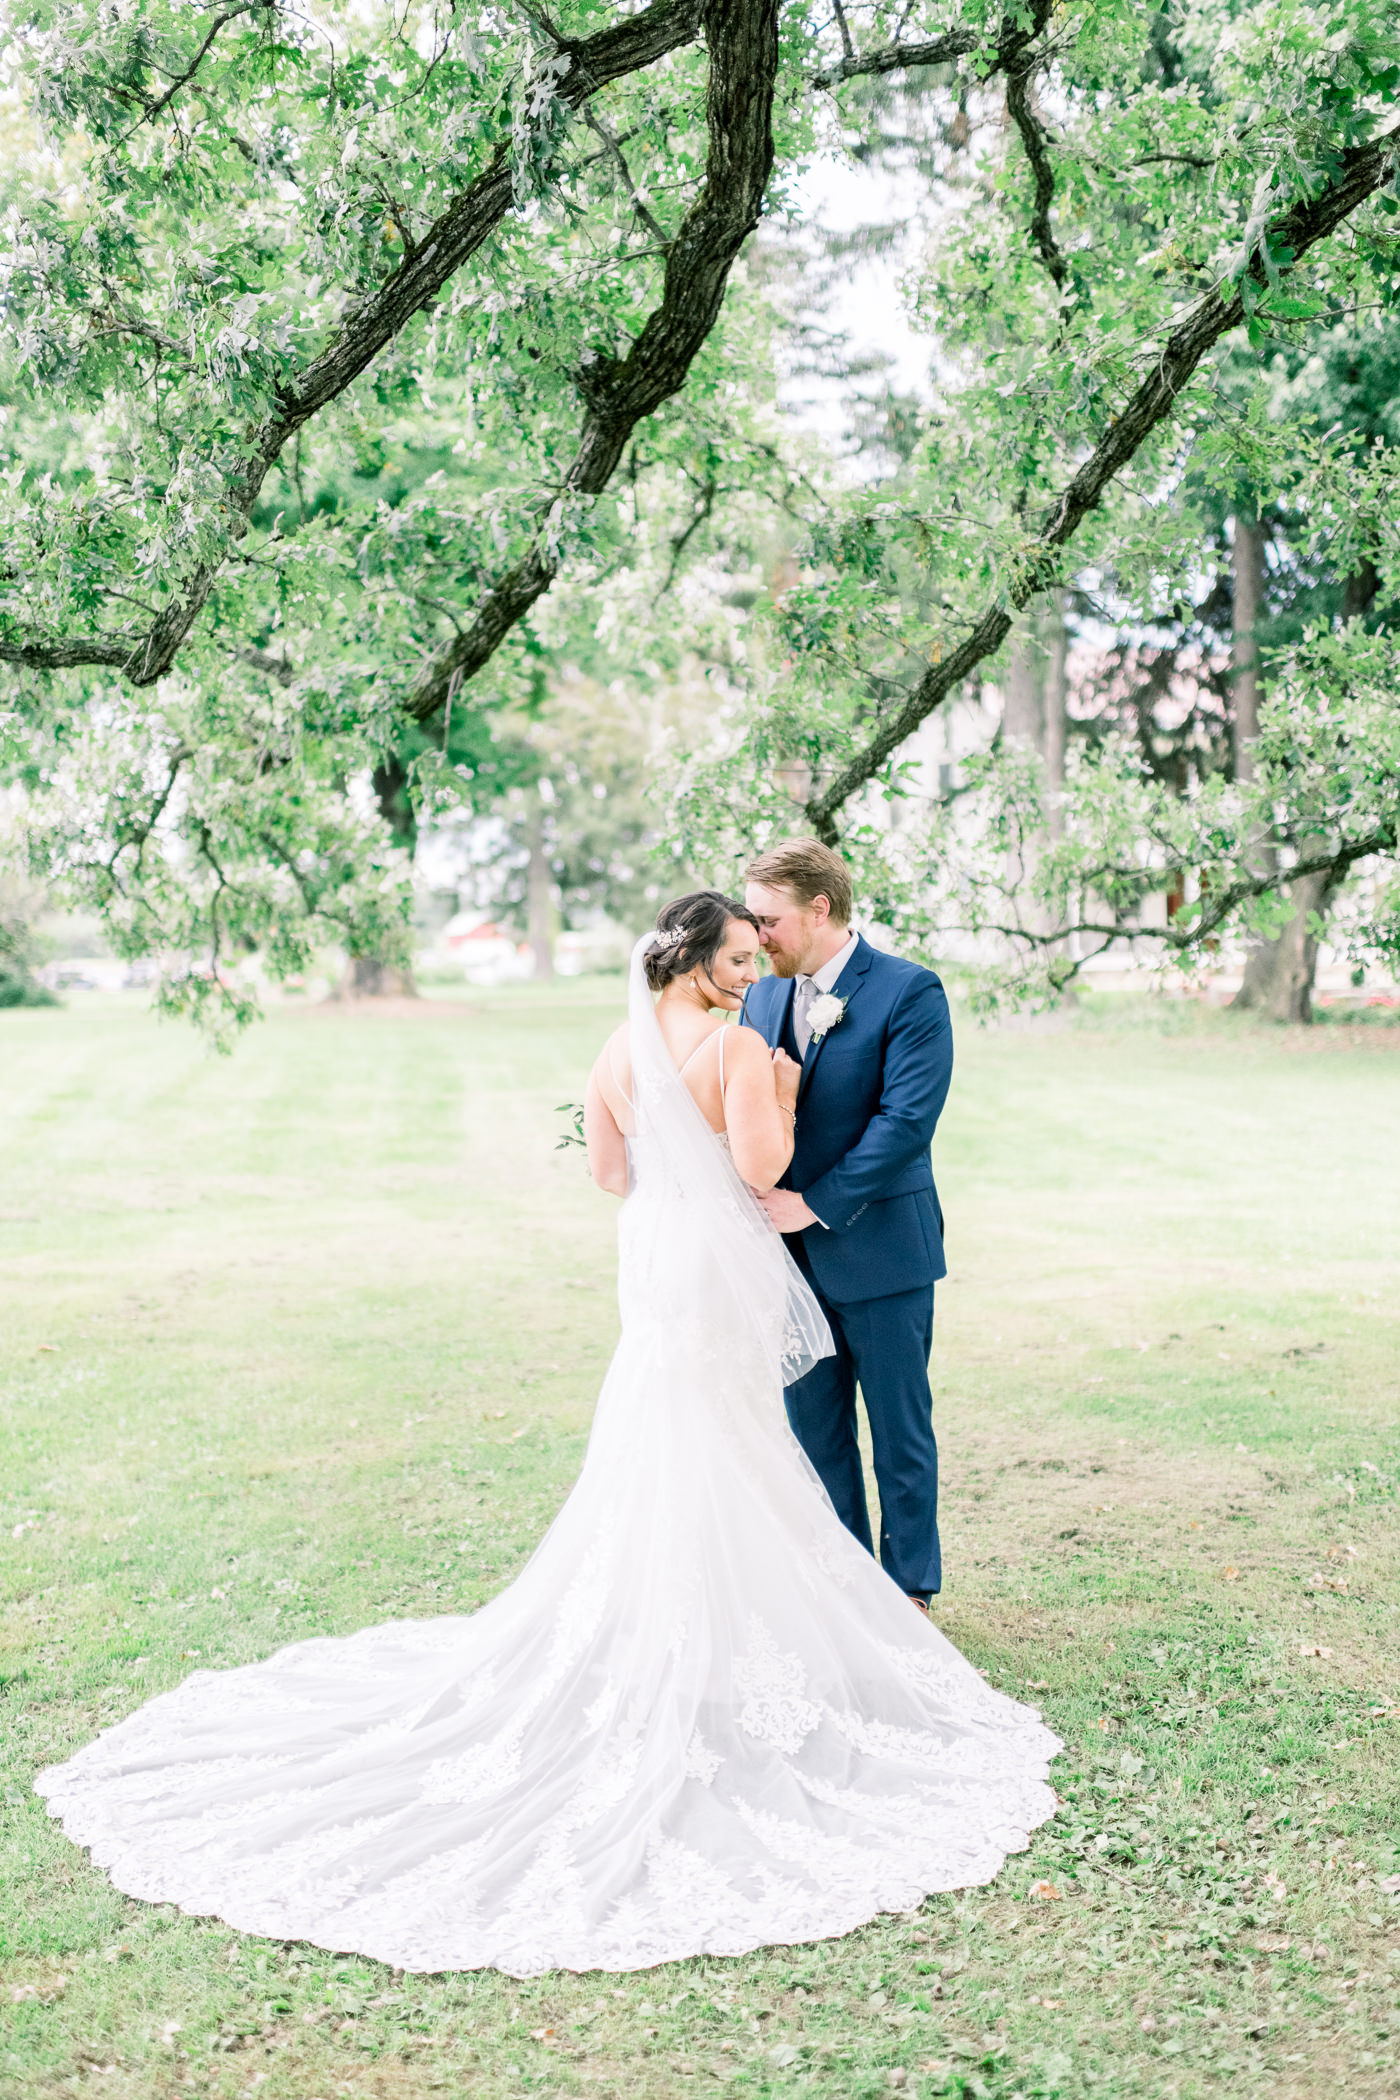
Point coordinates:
pixel 801 1006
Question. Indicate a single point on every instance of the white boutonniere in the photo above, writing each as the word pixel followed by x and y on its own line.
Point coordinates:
pixel 825 1013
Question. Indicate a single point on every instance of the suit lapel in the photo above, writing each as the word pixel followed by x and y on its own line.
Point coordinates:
pixel 784 1038
pixel 775 1013
pixel 845 987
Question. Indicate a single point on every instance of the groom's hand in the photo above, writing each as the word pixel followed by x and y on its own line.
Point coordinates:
pixel 787 1210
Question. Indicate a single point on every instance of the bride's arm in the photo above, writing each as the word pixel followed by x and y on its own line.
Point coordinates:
pixel 760 1099
pixel 607 1147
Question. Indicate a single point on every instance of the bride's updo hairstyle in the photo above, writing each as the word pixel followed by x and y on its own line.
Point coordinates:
pixel 690 933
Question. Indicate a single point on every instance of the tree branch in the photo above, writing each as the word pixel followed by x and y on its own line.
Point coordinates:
pixel 1363 169
pixel 704 506
pixel 847 47
pixel 1033 138
pixel 628 46
pixel 154 109
pixel 938 51
pixel 1222 904
pixel 137 834
pixel 613 152
pixel 743 42
pixel 63 656
pixel 1261 883
pixel 897 58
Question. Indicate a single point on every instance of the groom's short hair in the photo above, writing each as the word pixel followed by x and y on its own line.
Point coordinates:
pixel 808 869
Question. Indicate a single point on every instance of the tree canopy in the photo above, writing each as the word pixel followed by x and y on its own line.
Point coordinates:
pixel 361 363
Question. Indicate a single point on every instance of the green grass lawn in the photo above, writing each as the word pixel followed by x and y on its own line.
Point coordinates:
pixel 308 1339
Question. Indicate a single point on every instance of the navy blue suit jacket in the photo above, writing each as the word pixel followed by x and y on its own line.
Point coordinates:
pixel 870 1096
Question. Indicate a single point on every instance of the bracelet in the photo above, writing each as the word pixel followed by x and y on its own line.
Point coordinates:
pixel 786 1111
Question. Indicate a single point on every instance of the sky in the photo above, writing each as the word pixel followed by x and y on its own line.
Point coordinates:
pixel 867 305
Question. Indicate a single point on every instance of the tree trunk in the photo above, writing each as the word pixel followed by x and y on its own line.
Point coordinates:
pixel 371 976
pixel 1033 714
pixel 1278 974
pixel 390 782
pixel 1056 649
pixel 540 901
pixel 1244 654
pixel 1278 980
pixel 1022 721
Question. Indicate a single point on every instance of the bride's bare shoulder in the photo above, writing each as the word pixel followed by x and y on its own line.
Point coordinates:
pixel 745 1050
pixel 615 1055
pixel 748 1044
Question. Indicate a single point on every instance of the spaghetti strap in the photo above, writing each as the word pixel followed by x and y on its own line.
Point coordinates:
pixel 612 1074
pixel 704 1044
pixel 686 1064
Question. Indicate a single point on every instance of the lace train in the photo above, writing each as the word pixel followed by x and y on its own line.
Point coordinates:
pixel 701 1721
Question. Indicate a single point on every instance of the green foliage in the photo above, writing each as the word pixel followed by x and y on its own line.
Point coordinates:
pixel 20 946
pixel 18 984
pixel 200 206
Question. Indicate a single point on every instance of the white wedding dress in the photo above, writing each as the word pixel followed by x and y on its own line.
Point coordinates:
pixel 701 1720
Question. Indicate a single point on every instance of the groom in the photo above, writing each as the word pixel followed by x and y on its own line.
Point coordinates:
pixel 857 1206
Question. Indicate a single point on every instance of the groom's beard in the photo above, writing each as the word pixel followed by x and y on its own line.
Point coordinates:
pixel 781 965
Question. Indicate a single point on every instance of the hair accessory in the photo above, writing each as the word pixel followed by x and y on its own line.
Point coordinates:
pixel 661 941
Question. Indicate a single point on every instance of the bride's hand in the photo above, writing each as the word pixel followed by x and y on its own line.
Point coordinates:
pixel 786 1074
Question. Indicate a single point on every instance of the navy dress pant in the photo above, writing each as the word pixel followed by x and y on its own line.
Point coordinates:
pixel 882 1345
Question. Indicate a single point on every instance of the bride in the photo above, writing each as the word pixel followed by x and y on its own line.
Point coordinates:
pixel 701 1720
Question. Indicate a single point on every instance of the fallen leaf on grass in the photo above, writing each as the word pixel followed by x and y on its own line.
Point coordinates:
pixel 1389 1885
pixel 1043 1892
pixel 1232 1574
pixel 1037 1684
pixel 1272 1943
pixel 1277 1886
pixel 1323 1652
pixel 38 1993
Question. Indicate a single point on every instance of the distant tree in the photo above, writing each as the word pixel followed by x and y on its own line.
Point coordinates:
pixel 20 947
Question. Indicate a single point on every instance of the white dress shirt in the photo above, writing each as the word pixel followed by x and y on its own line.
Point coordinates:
pixel 822 980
